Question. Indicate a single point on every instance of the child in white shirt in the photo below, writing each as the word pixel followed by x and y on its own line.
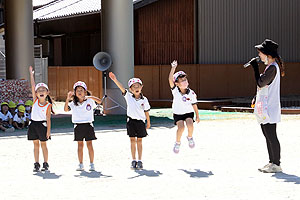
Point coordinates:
pixel 82 108
pixel 184 106
pixel 137 113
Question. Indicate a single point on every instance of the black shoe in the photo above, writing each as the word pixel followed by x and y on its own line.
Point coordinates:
pixel 45 166
pixel 139 165
pixel 36 167
pixel 133 164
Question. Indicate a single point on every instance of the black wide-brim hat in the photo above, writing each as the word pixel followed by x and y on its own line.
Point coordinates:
pixel 268 47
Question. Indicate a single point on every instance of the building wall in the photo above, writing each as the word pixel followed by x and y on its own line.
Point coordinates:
pixel 72 41
pixel 228 30
pixel 61 80
pixel 164 31
pixel 79 49
pixel 211 81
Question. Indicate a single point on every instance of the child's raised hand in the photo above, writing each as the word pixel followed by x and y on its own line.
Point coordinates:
pixel 70 94
pixel 112 76
pixel 174 63
pixel 31 70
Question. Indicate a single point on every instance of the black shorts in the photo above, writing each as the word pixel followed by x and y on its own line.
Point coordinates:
pixel 37 131
pixel 84 131
pixel 136 128
pixel 183 117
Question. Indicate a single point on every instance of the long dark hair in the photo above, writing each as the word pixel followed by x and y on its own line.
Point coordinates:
pixel 49 99
pixel 76 99
pixel 279 61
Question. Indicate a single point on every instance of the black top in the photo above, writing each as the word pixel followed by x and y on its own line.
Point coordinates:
pixel 265 78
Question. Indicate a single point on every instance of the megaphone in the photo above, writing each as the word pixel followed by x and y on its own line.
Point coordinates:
pixel 102 61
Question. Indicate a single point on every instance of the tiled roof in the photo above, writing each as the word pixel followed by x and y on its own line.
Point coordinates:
pixel 67 8
pixel 37 3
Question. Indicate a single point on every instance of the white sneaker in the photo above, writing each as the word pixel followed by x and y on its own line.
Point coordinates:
pixel 176 147
pixel 9 130
pixel 264 167
pixel 273 168
pixel 191 142
pixel 80 167
pixel 92 167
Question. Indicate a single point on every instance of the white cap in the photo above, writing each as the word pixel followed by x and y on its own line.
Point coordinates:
pixel 175 76
pixel 37 86
pixel 134 80
pixel 80 83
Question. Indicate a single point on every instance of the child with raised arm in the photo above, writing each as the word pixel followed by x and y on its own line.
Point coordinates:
pixel 184 106
pixel 40 125
pixel 137 113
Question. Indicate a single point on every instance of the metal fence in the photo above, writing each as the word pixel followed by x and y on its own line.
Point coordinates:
pixel 40 63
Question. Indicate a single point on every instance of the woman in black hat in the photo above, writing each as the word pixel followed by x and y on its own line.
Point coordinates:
pixel 267 103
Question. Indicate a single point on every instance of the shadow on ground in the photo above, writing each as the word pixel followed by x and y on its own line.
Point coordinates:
pixel 91 174
pixel 197 173
pixel 287 177
pixel 47 175
pixel 148 173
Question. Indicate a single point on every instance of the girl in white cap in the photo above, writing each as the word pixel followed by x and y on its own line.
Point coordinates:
pixel 137 113
pixel 40 125
pixel 184 106
pixel 82 108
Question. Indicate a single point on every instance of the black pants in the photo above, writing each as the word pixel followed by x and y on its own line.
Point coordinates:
pixel 269 131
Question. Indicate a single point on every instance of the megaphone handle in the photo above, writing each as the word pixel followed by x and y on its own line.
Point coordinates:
pixel 104 74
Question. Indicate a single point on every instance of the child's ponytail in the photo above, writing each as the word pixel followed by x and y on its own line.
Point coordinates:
pixel 281 65
pixel 49 99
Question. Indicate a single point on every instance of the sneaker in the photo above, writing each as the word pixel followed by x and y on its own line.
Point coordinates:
pixel 133 164
pixel 92 167
pixel 176 147
pixel 80 167
pixel 191 142
pixel 45 166
pixel 9 130
pixel 36 167
pixel 264 167
pixel 139 165
pixel 273 168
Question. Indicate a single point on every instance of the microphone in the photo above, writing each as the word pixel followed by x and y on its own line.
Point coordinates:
pixel 248 63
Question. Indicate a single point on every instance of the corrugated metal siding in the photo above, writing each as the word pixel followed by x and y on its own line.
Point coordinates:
pixel 228 29
pixel 164 31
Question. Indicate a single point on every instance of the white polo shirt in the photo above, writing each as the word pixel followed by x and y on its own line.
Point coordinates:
pixel 136 108
pixel 183 103
pixel 19 119
pixel 5 117
pixel 84 112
